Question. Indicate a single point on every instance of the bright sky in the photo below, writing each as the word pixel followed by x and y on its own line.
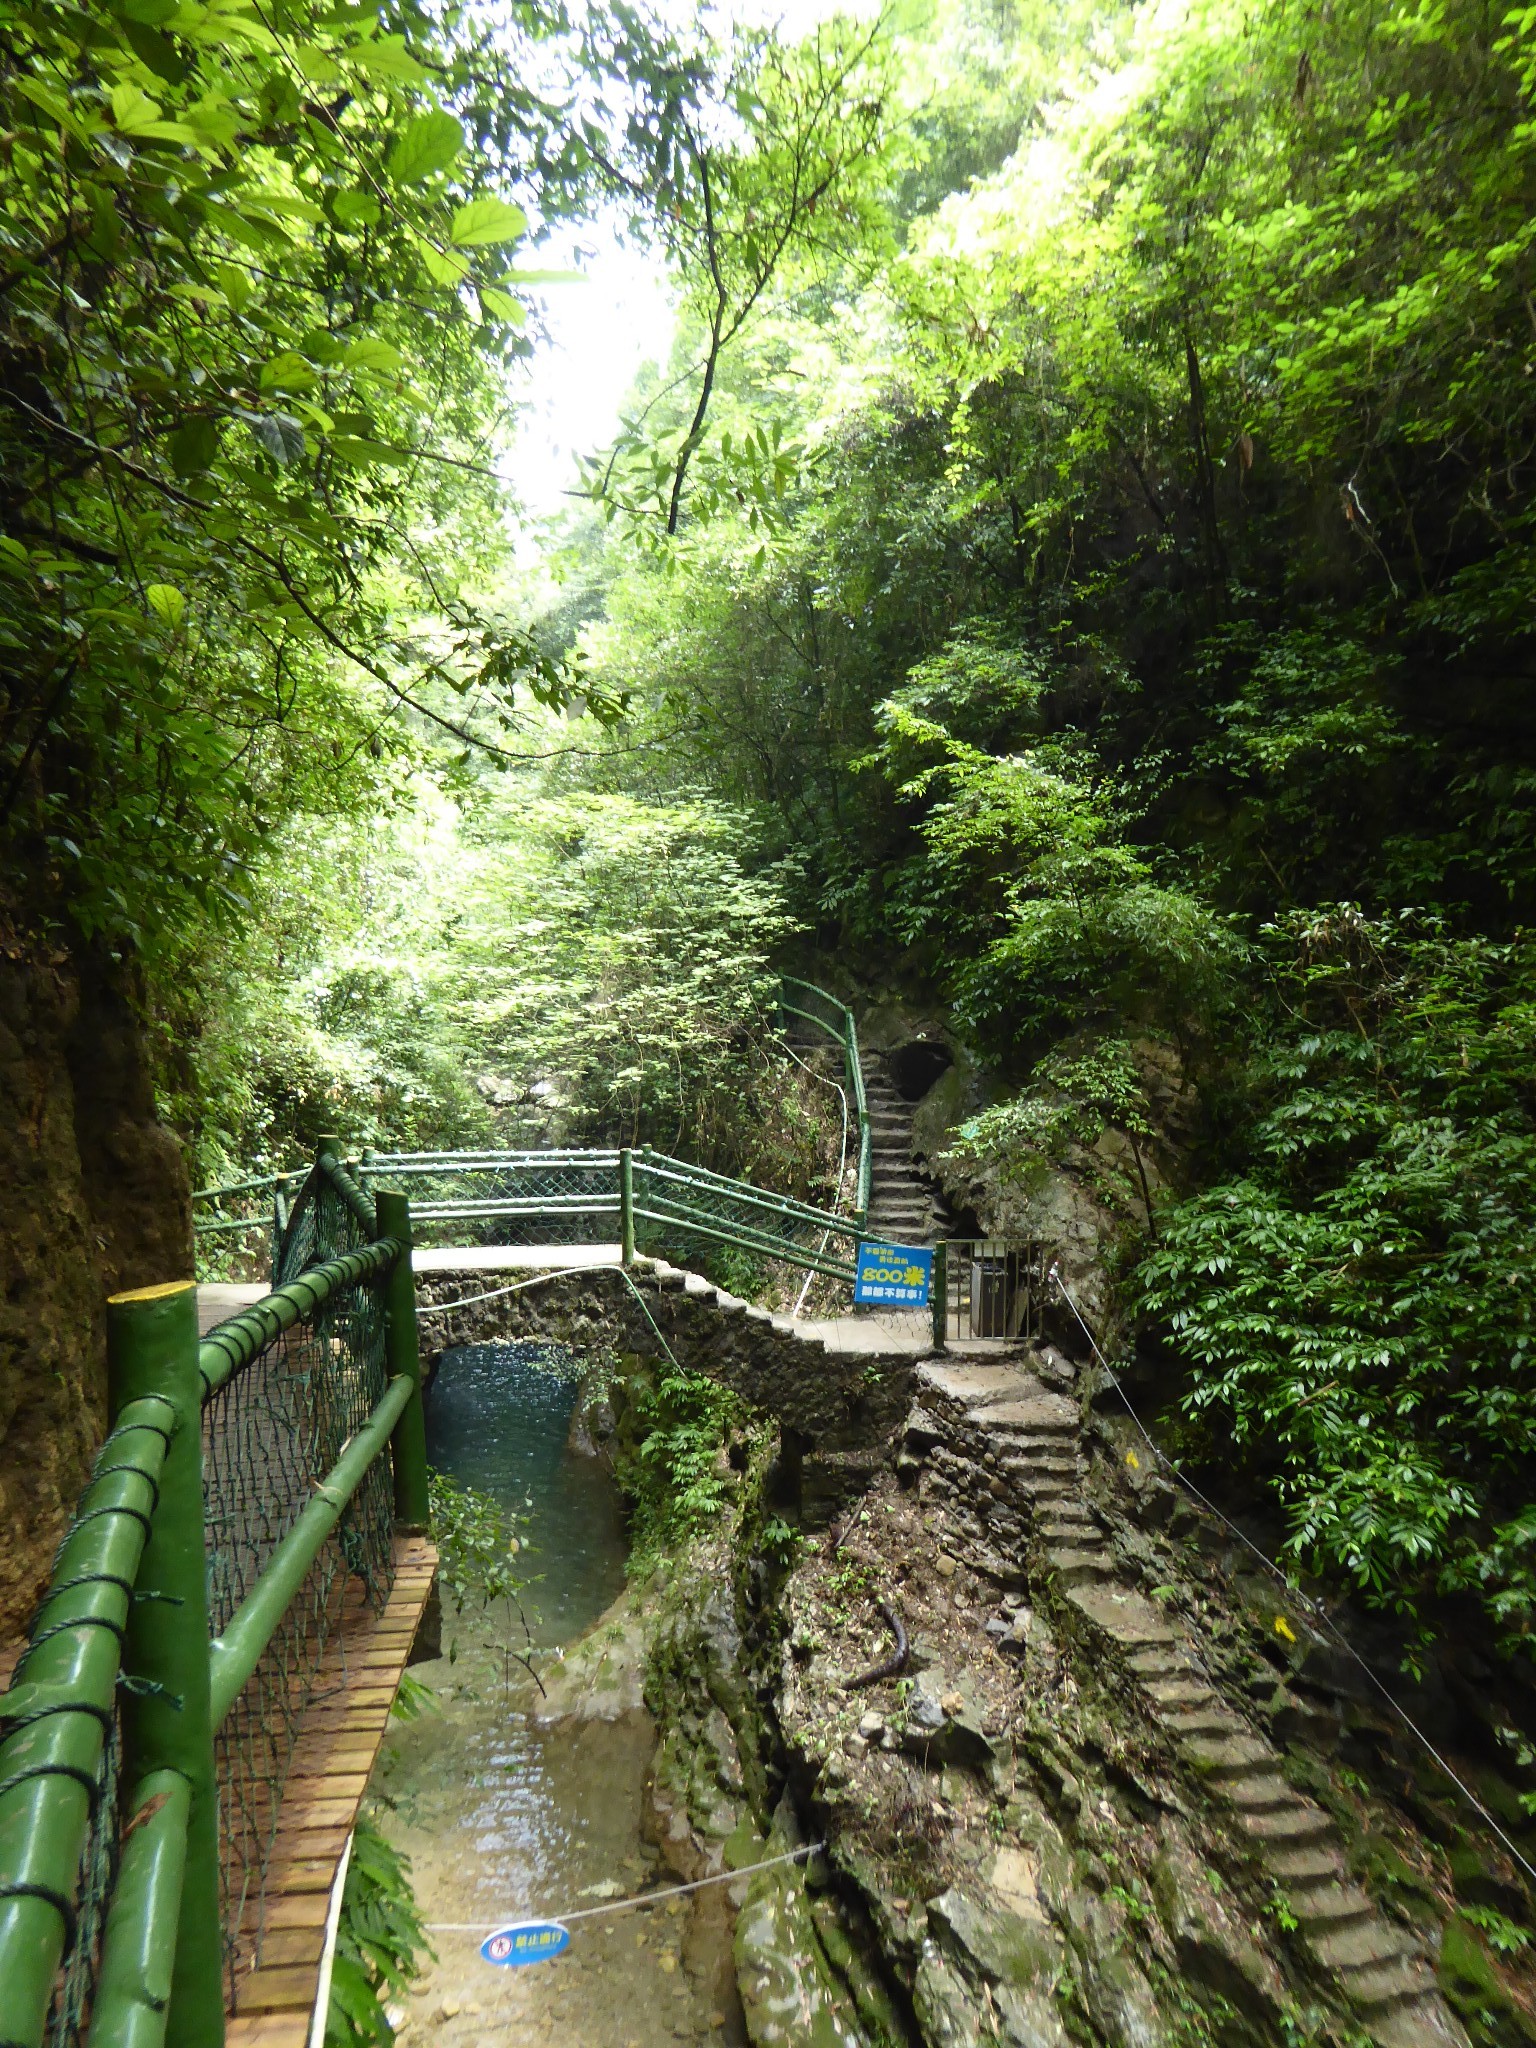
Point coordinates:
pixel 602 331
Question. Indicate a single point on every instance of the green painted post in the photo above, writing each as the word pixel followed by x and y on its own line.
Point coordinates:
pixel 626 1206
pixel 138 1950
pixel 152 1349
pixel 939 1299
pixel 402 1354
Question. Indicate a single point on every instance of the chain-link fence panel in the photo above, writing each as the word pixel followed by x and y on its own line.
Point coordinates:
pixel 271 1434
pixel 510 1198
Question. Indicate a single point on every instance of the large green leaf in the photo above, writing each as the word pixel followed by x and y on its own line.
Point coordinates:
pixel 429 144
pixel 487 220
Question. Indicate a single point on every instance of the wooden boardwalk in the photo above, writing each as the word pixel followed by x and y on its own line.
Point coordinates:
pixel 283 1940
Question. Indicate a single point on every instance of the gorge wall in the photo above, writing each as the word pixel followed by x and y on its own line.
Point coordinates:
pixel 97 1200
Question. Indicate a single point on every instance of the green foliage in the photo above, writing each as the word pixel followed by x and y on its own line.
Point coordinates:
pixel 1156 569
pixel 1023 857
pixel 1356 1304
pixel 477 1544
pixel 675 1430
pixel 378 1940
pixel 1074 1094
pixel 740 206
pixel 1500 1932
pixel 255 309
pixel 499 970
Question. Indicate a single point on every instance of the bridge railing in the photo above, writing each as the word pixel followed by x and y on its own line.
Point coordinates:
pixel 240 1223
pixel 640 1200
pixel 808 1004
pixel 244 1502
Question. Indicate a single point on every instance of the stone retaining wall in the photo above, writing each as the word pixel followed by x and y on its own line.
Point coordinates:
pixel 841 1405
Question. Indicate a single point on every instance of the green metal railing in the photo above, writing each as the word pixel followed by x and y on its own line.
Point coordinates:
pixel 239 1214
pixel 642 1199
pixel 555 1196
pixel 812 1005
pixel 248 1490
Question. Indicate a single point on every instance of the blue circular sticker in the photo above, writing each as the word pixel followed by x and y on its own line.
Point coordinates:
pixel 530 1941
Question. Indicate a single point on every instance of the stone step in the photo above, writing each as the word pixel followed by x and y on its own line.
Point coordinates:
pixel 1125 1616
pixel 1366 1945
pixel 1035 1431
pixel 1079 1567
pixel 1330 1906
pixel 1417 2018
pixel 1234 1755
pixel 1263 1792
pixel 1313 1863
pixel 1213 1720
pixel 1158 1662
pixel 1289 1825
pixel 1173 1694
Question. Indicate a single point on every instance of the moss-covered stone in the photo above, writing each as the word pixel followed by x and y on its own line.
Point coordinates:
pixel 1475 1986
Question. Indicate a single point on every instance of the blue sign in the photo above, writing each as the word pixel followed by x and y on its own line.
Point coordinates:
pixel 898 1275
pixel 531 1941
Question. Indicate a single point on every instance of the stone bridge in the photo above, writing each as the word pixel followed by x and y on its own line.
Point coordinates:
pixel 840 1390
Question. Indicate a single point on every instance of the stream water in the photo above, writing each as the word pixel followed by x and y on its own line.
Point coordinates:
pixel 505 1819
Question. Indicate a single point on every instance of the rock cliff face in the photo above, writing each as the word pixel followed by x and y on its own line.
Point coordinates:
pixel 96 1199
pixel 1126 1790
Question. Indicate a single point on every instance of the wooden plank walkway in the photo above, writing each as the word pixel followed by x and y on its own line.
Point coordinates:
pixel 284 1938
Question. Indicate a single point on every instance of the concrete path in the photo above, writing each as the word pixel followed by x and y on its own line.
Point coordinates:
pixel 503 1258
pixel 892 1333
pixel 218 1300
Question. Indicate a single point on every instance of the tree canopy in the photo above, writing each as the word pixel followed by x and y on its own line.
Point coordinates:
pixel 1078 555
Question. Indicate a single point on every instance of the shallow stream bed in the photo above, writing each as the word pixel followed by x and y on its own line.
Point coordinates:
pixel 506 1817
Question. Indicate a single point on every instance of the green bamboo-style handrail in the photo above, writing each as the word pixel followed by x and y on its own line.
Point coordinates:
pixel 138 1536
pixel 657 1166
pixel 329 1161
pixel 846 1032
pixel 602 1204
pixel 699 1225
pixel 248 1187
pixel 221 1226
pixel 237 1652
pixel 138 1951
pixel 59 1708
pixel 397 1163
pixel 235 1343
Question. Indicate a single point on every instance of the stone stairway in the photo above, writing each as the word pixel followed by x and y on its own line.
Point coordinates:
pixel 1022 1436
pixel 901 1202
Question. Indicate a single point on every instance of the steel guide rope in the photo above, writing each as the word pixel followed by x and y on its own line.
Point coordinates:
pixel 629 1905
pixel 1315 1609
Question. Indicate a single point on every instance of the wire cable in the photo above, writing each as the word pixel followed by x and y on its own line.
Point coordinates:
pixel 1314 1608
pixel 674 1891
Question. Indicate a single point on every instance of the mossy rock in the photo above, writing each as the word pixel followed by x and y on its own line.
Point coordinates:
pixel 1475 1986
pixel 1481 1886
pixel 1388 1876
